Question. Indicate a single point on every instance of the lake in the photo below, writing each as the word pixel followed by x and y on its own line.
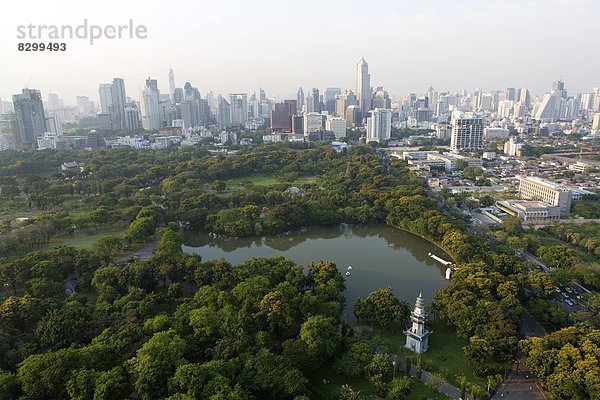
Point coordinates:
pixel 380 256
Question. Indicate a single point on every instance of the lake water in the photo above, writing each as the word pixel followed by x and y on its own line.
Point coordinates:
pixel 380 256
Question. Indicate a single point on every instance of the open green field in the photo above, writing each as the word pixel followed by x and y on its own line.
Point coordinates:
pixel 329 390
pixel 266 180
pixel 83 240
pixel 445 355
pixel 16 207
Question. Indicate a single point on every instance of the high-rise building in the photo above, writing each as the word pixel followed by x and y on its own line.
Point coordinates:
pixel 239 108
pixel 353 116
pixel 379 125
pixel 316 99
pixel 153 85
pixel 118 103
pixel 596 106
pixel 343 101
pixel 84 105
pixel 132 117
pixel 467 132
pixel 380 98
pixel 281 118
pixel 337 125
pixel 511 94
pixel 171 82
pixel 300 100
pixel 105 92
pixel 596 122
pixel 549 109
pixel 9 130
pixel 149 109
pixel 31 121
pixel 313 122
pixel 224 113
pixel 262 96
pixel 54 103
pixel 363 86
pixel 53 125
pixel 525 98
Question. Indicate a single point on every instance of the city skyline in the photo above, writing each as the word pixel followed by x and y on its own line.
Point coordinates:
pixel 522 49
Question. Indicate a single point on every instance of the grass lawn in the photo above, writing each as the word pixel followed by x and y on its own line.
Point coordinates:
pixel 83 240
pixel 420 389
pixel 445 355
pixel 15 208
pixel 328 391
pixel 266 180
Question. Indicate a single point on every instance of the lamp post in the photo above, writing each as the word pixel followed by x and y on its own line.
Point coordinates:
pixel 394 364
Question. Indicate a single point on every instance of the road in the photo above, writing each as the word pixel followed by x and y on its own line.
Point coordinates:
pixel 520 384
pixel 144 253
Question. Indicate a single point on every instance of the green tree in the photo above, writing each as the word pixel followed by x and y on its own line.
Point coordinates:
pixel 320 335
pixel 155 363
pixel 381 307
pixel 399 388
pixel 9 385
pixel 112 384
pixel 44 376
pixel 82 384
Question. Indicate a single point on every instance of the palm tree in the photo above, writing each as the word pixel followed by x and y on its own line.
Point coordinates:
pixel 347 392
pixel 462 381
pixel 477 392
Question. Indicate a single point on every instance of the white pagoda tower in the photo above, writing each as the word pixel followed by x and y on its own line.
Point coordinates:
pixel 417 337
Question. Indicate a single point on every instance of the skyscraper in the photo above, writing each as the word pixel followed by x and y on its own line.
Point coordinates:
pixel 224 113
pixel 171 81
pixel 9 130
pixel 467 132
pixel 149 109
pixel 153 84
pixel 31 121
pixel 105 92
pixel 132 117
pixel 363 86
pixel 118 103
pixel 281 117
pixel 300 99
pixel 379 125
pixel 316 99
pixel 525 98
pixel 239 108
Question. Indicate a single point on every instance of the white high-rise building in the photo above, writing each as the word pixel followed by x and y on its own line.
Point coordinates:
pixel 549 109
pixel 596 106
pixel 379 125
pixel 171 81
pixel 300 101
pixel 337 125
pixel 238 103
pixel 363 86
pixel 105 92
pixel 150 110
pixel 313 122
pixel 467 132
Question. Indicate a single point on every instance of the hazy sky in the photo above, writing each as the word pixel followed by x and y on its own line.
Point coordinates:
pixel 238 45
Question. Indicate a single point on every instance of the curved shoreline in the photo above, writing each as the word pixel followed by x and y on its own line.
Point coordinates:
pixel 439 245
